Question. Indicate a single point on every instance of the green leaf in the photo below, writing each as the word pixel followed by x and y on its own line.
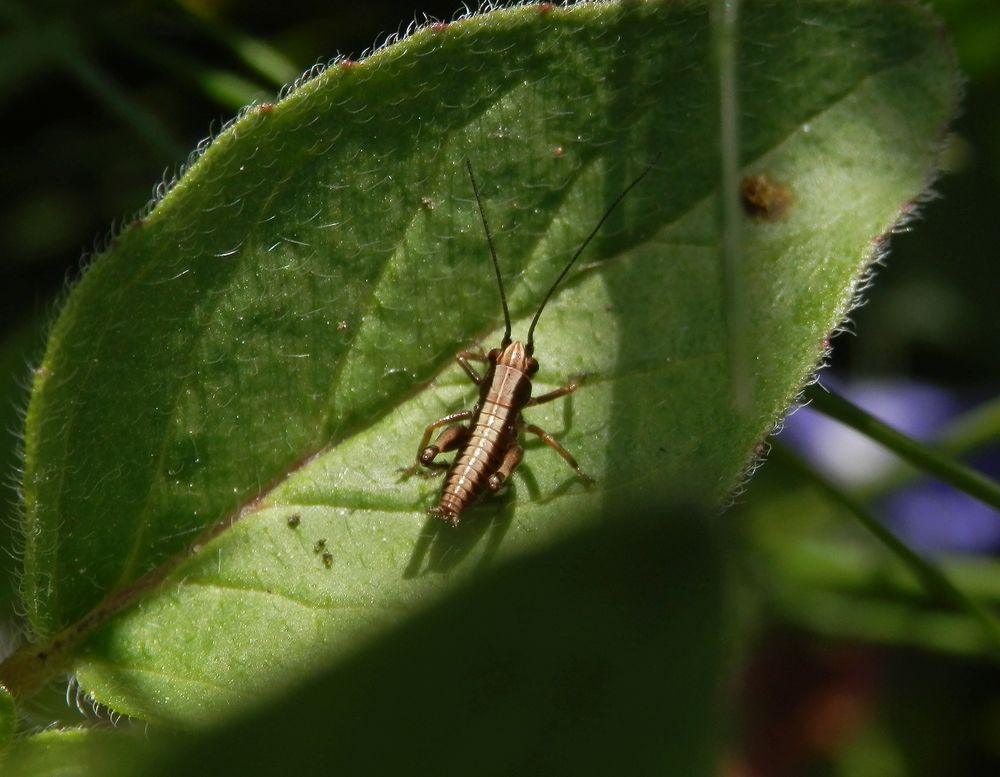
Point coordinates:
pixel 271 340
pixel 17 351
pixel 8 718
pixel 574 660
pixel 73 753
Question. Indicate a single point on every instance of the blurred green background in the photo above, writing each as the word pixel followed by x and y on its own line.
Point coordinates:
pixel 101 98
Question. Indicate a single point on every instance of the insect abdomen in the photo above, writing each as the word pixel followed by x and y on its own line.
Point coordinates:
pixel 493 431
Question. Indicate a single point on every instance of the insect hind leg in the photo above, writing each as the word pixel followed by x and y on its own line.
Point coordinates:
pixel 448 440
pixel 510 461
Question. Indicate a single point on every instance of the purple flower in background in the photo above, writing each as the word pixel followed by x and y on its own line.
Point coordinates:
pixel 926 514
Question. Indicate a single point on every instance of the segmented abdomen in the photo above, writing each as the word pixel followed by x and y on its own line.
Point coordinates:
pixel 492 432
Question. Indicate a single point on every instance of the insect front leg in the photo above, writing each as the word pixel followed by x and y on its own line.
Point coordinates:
pixel 448 440
pixel 553 443
pixel 562 391
pixel 464 357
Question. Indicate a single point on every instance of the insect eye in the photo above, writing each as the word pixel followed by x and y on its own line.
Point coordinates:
pixel 532 367
pixel 493 355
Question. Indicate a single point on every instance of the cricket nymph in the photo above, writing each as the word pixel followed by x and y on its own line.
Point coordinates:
pixel 489 448
pixel 491 451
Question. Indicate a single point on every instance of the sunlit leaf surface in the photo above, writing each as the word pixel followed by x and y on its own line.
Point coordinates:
pixel 261 352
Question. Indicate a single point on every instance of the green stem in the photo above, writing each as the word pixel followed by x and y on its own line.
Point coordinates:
pixel 725 14
pixel 103 86
pixel 257 54
pixel 224 87
pixel 936 582
pixel 980 426
pixel 920 455
pixel 970 431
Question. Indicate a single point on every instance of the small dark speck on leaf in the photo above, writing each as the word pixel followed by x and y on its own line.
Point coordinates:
pixel 294 520
pixel 427 202
pixel 320 546
pixel 327 559
pixel 765 199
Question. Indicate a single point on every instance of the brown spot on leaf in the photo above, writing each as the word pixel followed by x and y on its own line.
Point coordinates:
pixel 765 199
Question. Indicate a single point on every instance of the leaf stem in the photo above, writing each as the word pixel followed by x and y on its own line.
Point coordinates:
pixel 970 431
pixel 725 14
pixel 936 582
pixel 100 83
pixel 947 469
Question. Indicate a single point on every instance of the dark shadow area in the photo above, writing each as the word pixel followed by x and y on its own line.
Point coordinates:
pixel 599 653
pixel 442 547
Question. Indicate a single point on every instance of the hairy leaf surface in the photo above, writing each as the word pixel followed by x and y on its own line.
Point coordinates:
pixel 215 438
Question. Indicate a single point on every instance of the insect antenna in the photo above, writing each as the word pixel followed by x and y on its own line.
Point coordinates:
pixel 530 345
pixel 493 253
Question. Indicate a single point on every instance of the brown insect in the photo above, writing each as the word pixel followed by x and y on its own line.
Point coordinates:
pixel 488 448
